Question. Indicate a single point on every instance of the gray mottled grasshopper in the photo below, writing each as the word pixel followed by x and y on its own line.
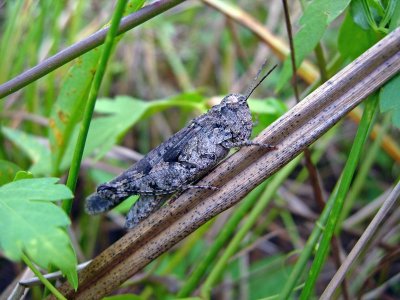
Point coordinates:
pixel 182 160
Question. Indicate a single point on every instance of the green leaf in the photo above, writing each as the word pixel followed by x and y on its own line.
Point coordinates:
pixel 395 21
pixel 125 205
pixel 375 15
pixel 269 106
pixel 122 113
pixel 7 171
pixel 119 115
pixel 389 99
pixel 23 175
pixel 266 111
pixel 389 12
pixel 105 132
pixel 32 224
pixel 69 106
pixel 316 18
pixel 133 5
pixel 353 40
pixel 267 275
pixel 362 15
pixel 34 149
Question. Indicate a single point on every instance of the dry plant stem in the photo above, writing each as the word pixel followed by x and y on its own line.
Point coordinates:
pixel 383 266
pixel 84 46
pixel 362 242
pixel 292 52
pixel 240 173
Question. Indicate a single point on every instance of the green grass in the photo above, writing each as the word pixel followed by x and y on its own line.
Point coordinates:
pixel 140 87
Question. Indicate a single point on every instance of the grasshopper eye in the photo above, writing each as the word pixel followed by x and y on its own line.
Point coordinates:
pixel 233 99
pixel 107 192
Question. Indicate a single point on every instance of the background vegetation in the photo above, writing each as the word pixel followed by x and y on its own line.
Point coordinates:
pixel 158 77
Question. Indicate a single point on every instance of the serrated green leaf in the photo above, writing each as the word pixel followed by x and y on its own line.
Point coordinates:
pixel 32 224
pixel 36 151
pixel 396 118
pixel 316 18
pixel 188 97
pixel 7 171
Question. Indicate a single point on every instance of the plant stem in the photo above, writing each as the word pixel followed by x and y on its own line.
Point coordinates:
pixel 344 184
pixel 39 275
pixel 80 145
pixel 370 158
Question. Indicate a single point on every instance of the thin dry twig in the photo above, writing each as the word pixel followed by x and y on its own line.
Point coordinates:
pixel 240 173
pixel 362 242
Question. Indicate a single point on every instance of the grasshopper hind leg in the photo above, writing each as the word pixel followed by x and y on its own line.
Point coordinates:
pixel 143 207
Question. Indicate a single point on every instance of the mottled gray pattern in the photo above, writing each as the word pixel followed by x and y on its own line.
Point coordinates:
pixel 180 161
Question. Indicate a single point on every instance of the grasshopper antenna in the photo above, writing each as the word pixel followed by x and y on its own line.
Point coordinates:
pixel 256 83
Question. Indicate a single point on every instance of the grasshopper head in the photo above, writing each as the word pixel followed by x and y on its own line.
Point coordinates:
pixel 233 99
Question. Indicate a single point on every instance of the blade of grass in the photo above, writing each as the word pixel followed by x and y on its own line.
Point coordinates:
pixel 344 184
pixel 290 225
pixel 84 46
pixel 39 275
pixel 228 229
pixel 312 241
pixel 165 37
pixel 11 36
pixel 80 145
pixel 233 246
pixel 362 173
pixel 363 241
